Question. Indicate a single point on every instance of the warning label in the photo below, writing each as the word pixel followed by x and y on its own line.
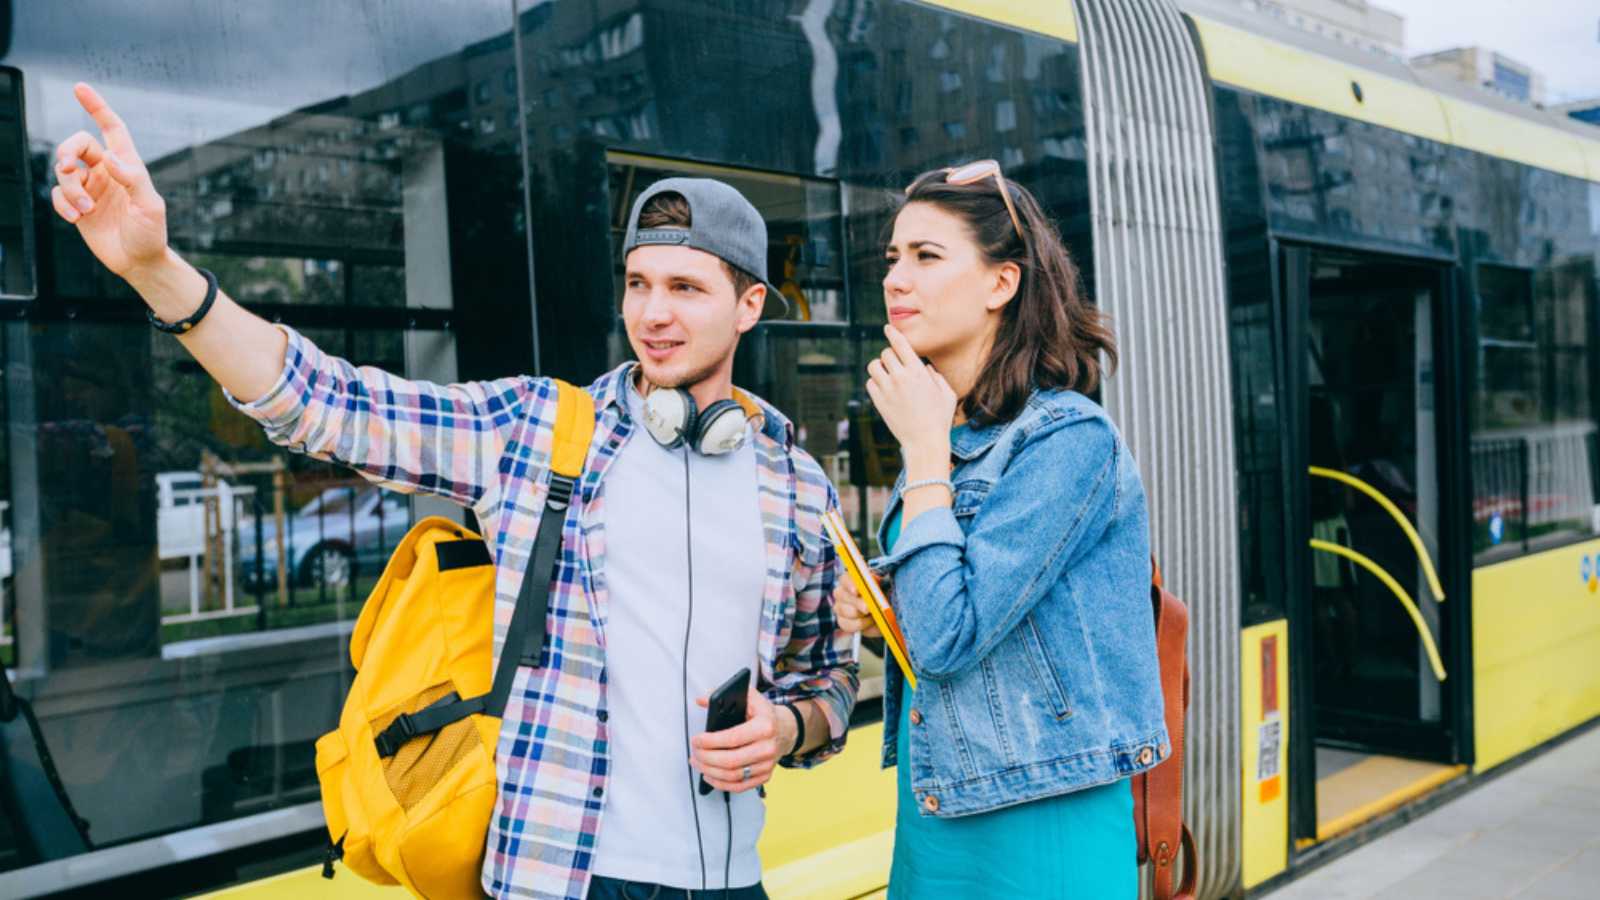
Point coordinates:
pixel 1269 739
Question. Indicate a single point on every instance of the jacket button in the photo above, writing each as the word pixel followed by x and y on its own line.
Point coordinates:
pixel 1145 756
pixel 916 717
pixel 599 791
pixel 931 803
pixel 603 715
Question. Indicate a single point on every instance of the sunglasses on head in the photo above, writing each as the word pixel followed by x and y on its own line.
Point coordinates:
pixel 974 172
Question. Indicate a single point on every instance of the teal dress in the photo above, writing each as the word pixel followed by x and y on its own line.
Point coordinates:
pixel 1077 846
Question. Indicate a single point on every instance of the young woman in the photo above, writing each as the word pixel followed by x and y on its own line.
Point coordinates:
pixel 1018 551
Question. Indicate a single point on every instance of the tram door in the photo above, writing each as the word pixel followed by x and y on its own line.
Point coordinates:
pixel 1372 668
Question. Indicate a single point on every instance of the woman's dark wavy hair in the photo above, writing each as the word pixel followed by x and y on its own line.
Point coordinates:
pixel 1050 335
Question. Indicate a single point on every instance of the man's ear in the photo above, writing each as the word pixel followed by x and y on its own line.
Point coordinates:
pixel 750 306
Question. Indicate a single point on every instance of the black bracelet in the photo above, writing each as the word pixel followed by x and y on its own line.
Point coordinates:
pixel 183 326
pixel 799 729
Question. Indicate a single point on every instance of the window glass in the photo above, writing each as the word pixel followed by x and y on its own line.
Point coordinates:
pixel 1534 451
pixel 821 127
pixel 176 593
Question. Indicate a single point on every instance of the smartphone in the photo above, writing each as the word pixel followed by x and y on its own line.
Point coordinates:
pixel 727 709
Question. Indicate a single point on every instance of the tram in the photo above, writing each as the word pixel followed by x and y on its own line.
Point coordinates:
pixel 1357 308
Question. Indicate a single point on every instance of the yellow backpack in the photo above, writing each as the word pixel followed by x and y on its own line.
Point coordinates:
pixel 408 777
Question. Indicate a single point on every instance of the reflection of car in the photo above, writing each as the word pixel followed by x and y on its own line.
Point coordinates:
pixel 339 532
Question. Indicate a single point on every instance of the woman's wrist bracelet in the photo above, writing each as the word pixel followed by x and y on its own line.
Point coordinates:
pixel 928 482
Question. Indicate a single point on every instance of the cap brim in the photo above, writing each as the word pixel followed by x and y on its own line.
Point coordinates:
pixel 774 294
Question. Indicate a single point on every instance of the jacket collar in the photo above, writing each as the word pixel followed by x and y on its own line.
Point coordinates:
pixel 970 441
pixel 610 390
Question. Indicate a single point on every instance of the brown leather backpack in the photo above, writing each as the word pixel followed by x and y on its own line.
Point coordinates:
pixel 1158 793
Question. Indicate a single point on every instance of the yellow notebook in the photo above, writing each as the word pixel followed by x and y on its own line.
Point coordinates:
pixel 867 586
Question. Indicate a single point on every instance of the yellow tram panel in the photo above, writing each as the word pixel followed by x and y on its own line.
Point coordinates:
pixel 1591 159
pixel 1264 712
pixel 1535 639
pixel 1255 63
pixel 1497 133
pixel 1054 19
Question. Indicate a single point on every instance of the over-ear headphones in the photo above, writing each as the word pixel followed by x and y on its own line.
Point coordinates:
pixel 673 419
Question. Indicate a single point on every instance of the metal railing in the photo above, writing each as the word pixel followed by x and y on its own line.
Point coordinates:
pixel 189 523
pixel 1534 481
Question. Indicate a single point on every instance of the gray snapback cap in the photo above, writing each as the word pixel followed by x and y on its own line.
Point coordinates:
pixel 722 223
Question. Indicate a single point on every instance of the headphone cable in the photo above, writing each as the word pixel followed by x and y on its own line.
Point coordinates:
pixel 688 624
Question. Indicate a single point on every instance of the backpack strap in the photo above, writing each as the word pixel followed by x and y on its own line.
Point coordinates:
pixel 1158 793
pixel 525 636
pixel 524 645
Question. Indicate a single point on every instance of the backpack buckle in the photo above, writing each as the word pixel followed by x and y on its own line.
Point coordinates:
pixel 333 853
pixel 394 737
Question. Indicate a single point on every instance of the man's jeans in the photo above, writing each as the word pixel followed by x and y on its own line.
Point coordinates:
pixel 601 888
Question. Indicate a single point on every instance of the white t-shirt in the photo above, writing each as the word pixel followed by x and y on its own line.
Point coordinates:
pixel 647 827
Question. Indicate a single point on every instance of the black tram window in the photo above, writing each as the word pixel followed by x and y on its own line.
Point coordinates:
pixel 1534 441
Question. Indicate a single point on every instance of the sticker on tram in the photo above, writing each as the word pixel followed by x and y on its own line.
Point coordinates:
pixel 1269 736
pixel 1269 733
pixel 1590 570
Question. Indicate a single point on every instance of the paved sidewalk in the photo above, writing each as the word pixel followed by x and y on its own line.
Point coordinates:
pixel 1531 834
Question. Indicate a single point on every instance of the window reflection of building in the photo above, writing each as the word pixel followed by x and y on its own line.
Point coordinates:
pixel 368 220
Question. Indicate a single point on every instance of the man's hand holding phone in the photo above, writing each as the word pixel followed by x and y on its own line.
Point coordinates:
pixel 742 757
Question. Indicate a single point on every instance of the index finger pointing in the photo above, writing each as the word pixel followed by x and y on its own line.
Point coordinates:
pixel 118 140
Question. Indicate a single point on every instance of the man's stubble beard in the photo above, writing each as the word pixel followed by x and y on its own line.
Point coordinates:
pixel 688 381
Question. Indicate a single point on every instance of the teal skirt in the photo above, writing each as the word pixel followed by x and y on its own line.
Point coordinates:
pixel 1077 846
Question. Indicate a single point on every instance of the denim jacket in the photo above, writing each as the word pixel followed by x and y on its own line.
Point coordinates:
pixel 1026 613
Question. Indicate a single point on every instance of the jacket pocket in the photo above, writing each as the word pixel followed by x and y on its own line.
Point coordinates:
pixel 1043 671
pixel 969 497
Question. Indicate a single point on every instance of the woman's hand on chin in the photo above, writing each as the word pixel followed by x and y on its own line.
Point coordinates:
pixel 915 401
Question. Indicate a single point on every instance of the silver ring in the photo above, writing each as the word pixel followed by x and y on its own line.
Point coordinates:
pixel 744 774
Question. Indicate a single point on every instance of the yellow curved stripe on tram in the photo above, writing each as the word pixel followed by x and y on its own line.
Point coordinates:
pixel 1257 63
pixel 1394 513
pixel 1400 594
pixel 1300 75
pixel 1054 19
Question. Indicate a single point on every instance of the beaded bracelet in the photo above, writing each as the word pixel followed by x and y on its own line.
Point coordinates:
pixel 929 482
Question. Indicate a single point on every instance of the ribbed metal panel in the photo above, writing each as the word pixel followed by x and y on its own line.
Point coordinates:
pixel 1158 272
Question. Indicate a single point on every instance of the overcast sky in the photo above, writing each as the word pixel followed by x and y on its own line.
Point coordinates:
pixel 1559 38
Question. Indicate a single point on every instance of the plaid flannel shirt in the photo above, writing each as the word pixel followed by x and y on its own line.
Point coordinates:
pixel 487 446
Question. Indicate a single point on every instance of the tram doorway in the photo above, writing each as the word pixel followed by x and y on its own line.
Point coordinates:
pixel 1375 645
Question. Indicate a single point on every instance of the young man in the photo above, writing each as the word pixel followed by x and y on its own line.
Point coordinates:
pixel 680 565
